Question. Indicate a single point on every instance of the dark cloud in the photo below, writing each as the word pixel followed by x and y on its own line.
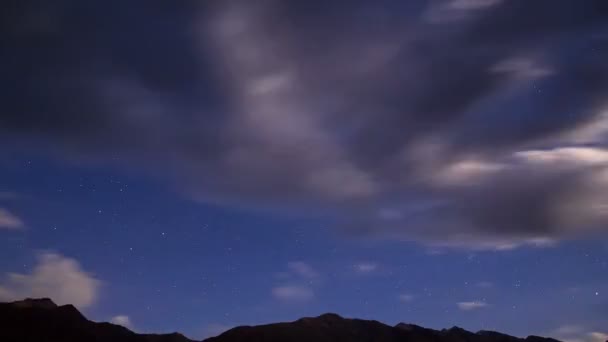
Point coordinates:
pixel 409 119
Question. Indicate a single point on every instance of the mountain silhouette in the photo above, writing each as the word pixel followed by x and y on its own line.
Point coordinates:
pixel 41 320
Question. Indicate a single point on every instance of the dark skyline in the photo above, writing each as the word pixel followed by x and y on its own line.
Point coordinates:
pixel 197 165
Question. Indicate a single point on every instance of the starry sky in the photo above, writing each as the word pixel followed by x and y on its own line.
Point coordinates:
pixel 196 165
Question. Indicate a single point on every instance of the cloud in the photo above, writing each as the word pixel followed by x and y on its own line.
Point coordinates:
pixel 406 298
pixel 578 333
pixel 485 284
pixel 123 320
pixel 54 276
pixel 293 293
pixel 302 269
pixel 451 128
pixel 455 10
pixel 469 306
pixel 597 337
pixel 301 278
pixel 472 4
pixel 566 330
pixel 9 221
pixel 366 267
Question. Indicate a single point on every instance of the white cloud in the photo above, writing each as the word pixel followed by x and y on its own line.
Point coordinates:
pixel 469 306
pixel 465 171
pixel 302 269
pixel 405 297
pixel 366 267
pixel 56 277
pixel 577 333
pixel 9 221
pixel 123 320
pixel 597 337
pixel 590 132
pixel 522 68
pixel 293 293
pixel 567 156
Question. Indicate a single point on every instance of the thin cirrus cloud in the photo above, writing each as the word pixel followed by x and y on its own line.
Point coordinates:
pixel 405 298
pixel 485 284
pixel 470 132
pixel 293 293
pixel 366 267
pixel 470 306
pixel 302 270
pixel 55 276
pixel 9 221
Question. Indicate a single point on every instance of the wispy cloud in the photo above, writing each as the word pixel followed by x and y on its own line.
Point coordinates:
pixel 405 297
pixel 9 221
pixel 366 267
pixel 302 269
pixel 469 306
pixel 293 293
pixel 485 284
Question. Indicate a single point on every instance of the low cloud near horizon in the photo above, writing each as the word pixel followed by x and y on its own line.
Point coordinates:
pixel 439 122
pixel 54 276
pixel 123 320
pixel 578 333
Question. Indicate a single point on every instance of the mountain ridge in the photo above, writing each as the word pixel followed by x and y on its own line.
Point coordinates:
pixel 42 320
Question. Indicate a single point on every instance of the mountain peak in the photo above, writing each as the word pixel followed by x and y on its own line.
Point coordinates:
pixel 41 303
pixel 322 319
pixel 408 327
pixel 457 329
pixel 40 319
pixel 330 317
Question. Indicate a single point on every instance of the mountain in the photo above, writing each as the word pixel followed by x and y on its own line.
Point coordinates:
pixel 333 328
pixel 41 320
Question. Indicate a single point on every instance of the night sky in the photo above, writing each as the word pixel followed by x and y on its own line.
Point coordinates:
pixel 196 165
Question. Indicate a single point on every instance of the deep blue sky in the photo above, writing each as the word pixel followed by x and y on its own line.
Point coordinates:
pixel 192 166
